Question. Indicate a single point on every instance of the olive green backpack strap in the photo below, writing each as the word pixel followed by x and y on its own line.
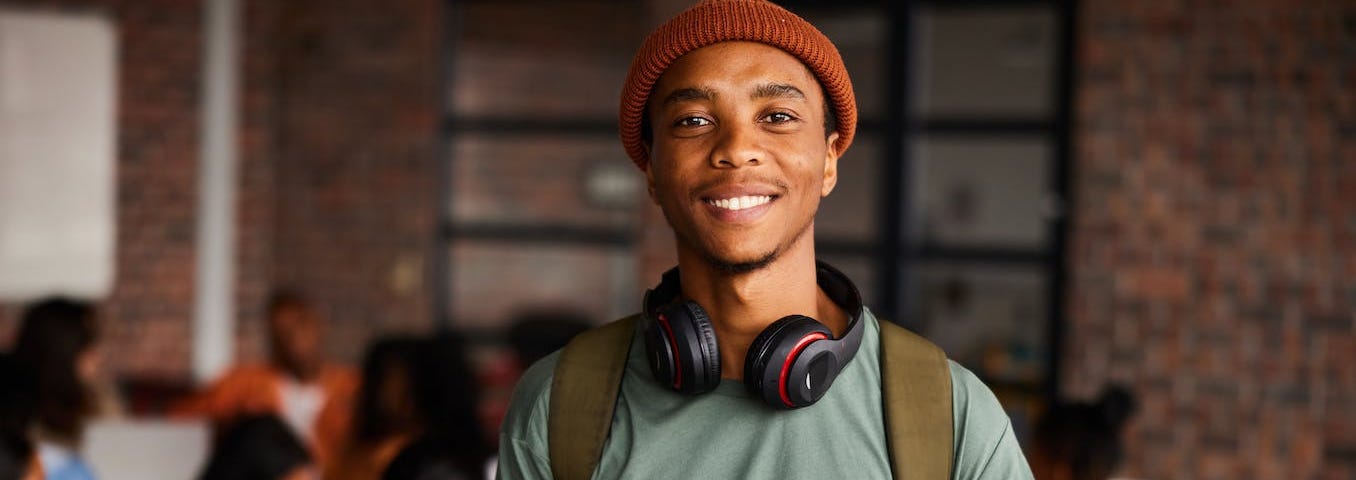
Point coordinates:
pixel 916 390
pixel 583 394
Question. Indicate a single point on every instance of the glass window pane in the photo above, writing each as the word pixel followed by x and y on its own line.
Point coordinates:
pixel 981 192
pixel 861 37
pixel 990 62
pixel 543 58
pixel 849 213
pixel 991 319
pixel 579 181
pixel 492 281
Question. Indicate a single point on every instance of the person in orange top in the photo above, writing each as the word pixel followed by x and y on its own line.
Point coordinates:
pixel 313 397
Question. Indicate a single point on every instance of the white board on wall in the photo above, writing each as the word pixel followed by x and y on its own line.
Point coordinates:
pixel 57 149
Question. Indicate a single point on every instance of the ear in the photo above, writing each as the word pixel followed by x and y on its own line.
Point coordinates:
pixel 830 165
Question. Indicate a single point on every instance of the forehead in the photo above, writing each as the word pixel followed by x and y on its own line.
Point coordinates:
pixel 736 65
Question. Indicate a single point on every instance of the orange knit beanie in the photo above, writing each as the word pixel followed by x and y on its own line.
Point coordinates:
pixel 715 21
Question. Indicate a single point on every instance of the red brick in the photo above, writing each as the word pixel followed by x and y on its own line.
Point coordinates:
pixel 1236 215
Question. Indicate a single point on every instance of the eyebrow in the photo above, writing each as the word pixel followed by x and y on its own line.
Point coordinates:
pixel 777 90
pixel 689 94
pixel 766 90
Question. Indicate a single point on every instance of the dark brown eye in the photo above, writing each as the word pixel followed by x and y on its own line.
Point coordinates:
pixel 692 122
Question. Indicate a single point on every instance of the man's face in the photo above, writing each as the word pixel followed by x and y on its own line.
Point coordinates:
pixel 739 159
pixel 296 339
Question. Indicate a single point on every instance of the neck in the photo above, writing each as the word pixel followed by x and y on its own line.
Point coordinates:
pixel 65 441
pixel 299 373
pixel 742 305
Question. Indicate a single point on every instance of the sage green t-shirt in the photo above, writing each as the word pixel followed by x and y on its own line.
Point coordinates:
pixel 727 433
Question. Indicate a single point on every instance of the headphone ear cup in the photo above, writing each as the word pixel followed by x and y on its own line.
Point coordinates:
pixel 660 350
pixel 769 352
pixel 708 362
pixel 682 348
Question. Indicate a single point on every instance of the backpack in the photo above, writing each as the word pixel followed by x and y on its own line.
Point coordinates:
pixel 915 387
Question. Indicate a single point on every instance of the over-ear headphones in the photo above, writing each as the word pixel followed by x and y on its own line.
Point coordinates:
pixel 791 364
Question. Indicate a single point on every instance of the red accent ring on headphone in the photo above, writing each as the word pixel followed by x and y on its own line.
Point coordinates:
pixel 790 357
pixel 673 342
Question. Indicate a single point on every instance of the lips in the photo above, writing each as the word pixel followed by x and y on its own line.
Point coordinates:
pixel 739 203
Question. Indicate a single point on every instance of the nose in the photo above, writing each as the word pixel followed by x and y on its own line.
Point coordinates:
pixel 737 146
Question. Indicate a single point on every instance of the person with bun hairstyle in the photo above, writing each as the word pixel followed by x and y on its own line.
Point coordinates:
pixel 751 358
pixel 1082 440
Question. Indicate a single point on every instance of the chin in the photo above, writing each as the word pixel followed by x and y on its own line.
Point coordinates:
pixel 732 264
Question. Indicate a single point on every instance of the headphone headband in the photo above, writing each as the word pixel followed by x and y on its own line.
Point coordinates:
pixel 834 283
pixel 684 354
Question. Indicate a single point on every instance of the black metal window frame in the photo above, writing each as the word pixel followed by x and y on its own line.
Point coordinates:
pixel 892 251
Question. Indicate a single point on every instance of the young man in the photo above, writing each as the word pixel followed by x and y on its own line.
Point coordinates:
pixel 737 112
pixel 314 398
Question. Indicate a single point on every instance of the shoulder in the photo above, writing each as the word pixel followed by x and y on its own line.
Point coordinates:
pixel 249 372
pixel 984 443
pixel 60 462
pixel 247 387
pixel 524 448
pixel 339 378
pixel 531 402
pixel 524 443
pixel 972 400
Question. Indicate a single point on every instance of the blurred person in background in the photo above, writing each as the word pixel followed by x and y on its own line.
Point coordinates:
pixel 18 456
pixel 58 344
pixel 428 460
pixel 532 334
pixel 535 334
pixel 313 397
pixel 260 447
pixel 385 416
pixel 418 403
pixel 448 397
pixel 1080 440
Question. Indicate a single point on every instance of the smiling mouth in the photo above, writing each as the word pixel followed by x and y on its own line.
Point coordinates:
pixel 740 203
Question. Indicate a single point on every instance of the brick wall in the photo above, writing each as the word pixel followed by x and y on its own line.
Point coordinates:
pixel 259 112
pixel 336 193
pixel 355 179
pixel 158 96
pixel 1214 238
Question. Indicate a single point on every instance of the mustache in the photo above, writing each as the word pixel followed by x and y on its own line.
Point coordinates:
pixel 750 179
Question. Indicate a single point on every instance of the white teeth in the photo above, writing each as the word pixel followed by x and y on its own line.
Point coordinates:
pixel 740 203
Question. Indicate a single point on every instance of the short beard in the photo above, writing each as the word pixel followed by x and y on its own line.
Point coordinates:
pixel 739 268
pixel 728 267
